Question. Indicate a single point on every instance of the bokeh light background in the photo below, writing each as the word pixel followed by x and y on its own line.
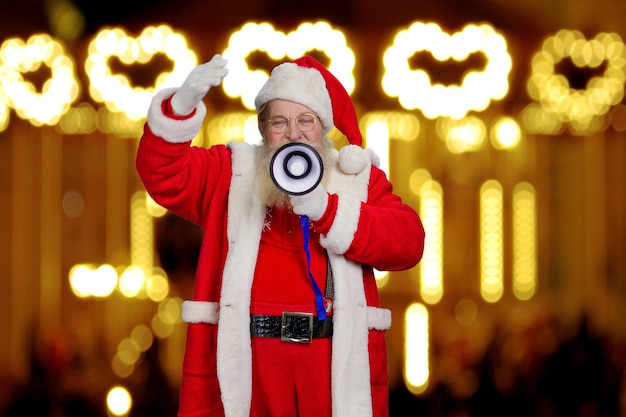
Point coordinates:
pixel 502 123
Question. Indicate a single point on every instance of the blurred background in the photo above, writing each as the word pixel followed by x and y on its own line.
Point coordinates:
pixel 502 122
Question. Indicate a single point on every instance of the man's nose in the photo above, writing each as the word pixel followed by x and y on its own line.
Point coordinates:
pixel 292 129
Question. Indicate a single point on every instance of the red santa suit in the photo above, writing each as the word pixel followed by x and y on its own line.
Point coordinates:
pixel 366 226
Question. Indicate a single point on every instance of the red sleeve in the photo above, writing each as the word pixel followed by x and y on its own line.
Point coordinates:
pixel 390 234
pixel 182 178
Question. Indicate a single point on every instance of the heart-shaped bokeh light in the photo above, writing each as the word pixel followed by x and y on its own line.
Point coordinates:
pixel 553 90
pixel 245 83
pixel 116 90
pixel 57 93
pixel 414 88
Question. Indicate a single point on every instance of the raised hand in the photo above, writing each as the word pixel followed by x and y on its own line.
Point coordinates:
pixel 197 84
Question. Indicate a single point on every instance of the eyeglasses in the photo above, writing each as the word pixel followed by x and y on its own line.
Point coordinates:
pixel 305 122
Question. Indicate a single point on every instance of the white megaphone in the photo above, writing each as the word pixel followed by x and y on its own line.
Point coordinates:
pixel 296 168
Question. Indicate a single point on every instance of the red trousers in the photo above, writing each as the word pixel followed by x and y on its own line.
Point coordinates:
pixel 290 379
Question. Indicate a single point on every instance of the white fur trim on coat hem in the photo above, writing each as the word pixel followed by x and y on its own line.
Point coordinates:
pixel 200 312
pixel 173 130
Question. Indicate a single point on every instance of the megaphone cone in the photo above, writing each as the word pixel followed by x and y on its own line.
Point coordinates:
pixel 296 168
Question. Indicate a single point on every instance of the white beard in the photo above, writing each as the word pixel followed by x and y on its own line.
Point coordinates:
pixel 268 192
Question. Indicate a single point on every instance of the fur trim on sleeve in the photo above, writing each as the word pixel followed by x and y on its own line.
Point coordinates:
pixel 200 312
pixel 341 233
pixel 378 318
pixel 351 185
pixel 173 130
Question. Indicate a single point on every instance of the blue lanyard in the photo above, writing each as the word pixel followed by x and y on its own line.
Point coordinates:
pixel 319 297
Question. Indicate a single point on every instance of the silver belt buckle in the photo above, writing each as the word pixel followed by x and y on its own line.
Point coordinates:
pixel 284 324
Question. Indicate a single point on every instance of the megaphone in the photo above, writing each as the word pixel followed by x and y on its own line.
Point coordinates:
pixel 296 168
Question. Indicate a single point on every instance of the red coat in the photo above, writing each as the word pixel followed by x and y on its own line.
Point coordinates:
pixel 372 228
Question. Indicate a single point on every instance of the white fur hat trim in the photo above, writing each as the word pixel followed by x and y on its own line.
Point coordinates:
pixel 301 85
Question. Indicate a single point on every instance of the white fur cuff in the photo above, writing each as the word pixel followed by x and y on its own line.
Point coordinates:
pixel 200 312
pixel 378 318
pixel 341 233
pixel 173 130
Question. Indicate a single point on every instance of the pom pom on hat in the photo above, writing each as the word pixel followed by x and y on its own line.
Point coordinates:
pixel 306 81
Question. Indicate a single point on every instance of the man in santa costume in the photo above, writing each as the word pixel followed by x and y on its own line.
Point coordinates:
pixel 285 317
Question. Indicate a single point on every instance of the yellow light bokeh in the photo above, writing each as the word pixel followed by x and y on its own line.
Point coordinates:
pixel 414 88
pixel 466 134
pixel 79 280
pixel 119 401
pixel 141 236
pixel 81 119
pixel 491 241
pixel 160 328
pixel 4 111
pixel 142 337
pixel 132 281
pixel 536 119
pixel 90 281
pixel 524 241
pixel 153 208
pixel 402 126
pixel 417 179
pixel 116 90
pixel 416 348
pixel 431 265
pixel 553 91
pixel 121 369
pixel 233 126
pixel 170 310
pixel 128 352
pixel 157 287
pixel 244 83
pixel 505 133
pixel 58 92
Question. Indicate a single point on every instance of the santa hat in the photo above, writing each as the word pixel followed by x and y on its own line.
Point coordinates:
pixel 306 81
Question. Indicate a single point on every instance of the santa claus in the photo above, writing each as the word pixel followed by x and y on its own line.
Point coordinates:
pixel 285 318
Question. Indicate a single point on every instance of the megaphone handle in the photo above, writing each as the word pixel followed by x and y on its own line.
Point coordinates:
pixel 319 297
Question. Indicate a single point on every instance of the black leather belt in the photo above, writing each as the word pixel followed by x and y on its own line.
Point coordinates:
pixel 291 327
